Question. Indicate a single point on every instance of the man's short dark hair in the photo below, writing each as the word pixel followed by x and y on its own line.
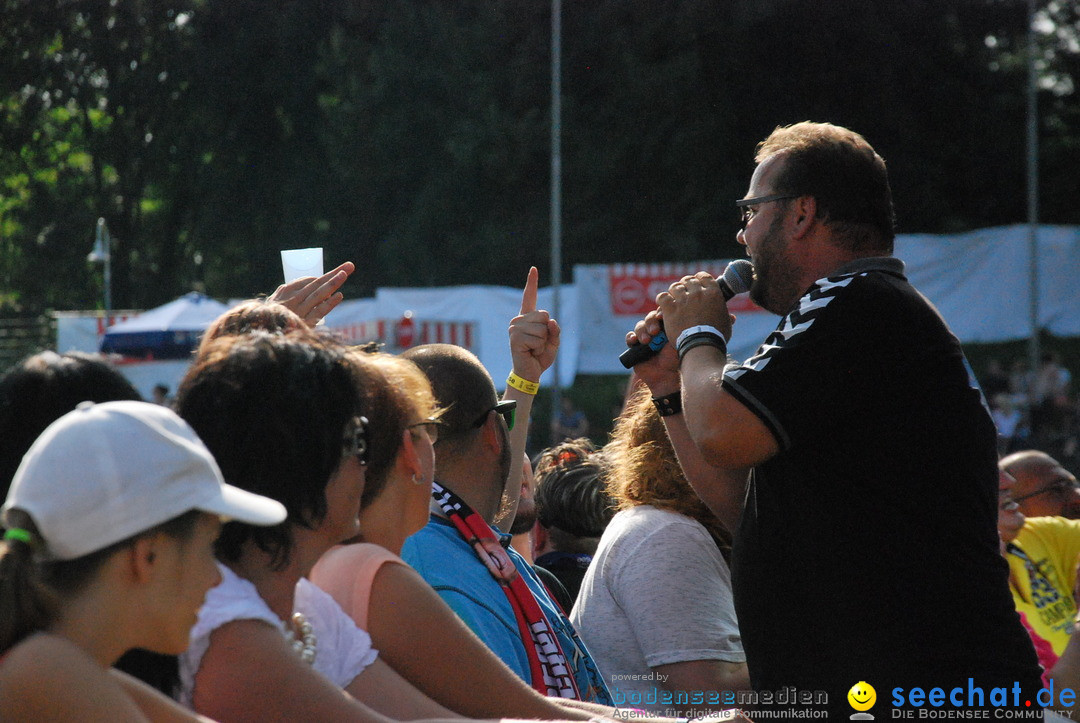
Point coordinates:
pixel 572 501
pixel 844 174
pixel 462 386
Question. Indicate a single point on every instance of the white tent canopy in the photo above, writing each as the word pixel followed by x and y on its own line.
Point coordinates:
pixel 168 332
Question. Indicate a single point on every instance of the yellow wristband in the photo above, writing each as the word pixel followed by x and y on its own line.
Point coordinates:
pixel 522 385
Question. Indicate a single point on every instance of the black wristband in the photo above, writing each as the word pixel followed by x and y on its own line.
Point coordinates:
pixel 668 405
pixel 700 339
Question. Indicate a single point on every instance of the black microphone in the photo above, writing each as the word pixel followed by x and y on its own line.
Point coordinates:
pixel 736 279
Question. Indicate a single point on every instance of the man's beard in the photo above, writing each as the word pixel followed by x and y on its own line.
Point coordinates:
pixel 773 280
pixel 505 504
pixel 525 517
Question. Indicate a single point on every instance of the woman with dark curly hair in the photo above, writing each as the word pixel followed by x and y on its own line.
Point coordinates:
pixel 301 419
pixel 655 605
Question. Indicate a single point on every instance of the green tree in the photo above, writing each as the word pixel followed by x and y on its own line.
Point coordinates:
pixel 412 137
pixel 89 91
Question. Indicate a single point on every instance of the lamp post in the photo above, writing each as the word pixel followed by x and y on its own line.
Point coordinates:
pixel 102 253
pixel 1033 201
pixel 556 184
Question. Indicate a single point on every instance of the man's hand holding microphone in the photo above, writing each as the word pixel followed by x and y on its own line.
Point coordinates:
pixel 693 312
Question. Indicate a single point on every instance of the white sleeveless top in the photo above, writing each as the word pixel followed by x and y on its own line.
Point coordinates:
pixel 343 651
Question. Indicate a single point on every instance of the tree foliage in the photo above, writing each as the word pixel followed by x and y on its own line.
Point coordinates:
pixel 413 137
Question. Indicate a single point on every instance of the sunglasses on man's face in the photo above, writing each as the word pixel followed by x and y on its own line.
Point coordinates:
pixel 1061 488
pixel 508 410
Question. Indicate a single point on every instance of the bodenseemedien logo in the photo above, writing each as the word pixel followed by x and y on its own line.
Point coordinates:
pixel 862 697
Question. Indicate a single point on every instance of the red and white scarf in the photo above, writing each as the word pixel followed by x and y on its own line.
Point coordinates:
pixel 551 674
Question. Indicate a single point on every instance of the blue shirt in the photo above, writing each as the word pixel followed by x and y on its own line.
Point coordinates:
pixel 450 565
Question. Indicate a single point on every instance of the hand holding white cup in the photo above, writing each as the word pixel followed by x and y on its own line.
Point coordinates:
pixel 297 263
pixel 307 290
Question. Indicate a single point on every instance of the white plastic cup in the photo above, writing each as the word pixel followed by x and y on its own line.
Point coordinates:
pixel 301 262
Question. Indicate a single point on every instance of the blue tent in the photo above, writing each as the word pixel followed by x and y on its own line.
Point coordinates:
pixel 168 332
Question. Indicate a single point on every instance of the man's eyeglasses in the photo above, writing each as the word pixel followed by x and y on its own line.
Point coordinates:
pixel 432 427
pixel 508 410
pixel 1061 488
pixel 747 205
pixel 356 441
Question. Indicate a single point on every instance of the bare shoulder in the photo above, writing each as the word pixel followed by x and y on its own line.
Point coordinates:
pixel 155 705
pixel 239 650
pixel 47 677
pixel 49 658
pixel 402 591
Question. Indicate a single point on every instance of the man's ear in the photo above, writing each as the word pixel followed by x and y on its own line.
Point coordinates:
pixel 804 216
pixel 539 539
pixel 489 435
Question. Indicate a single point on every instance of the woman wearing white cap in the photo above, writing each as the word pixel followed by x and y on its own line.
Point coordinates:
pixel 110 523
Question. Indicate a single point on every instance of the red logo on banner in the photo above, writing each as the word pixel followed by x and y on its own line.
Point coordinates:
pixel 406 331
pixel 633 287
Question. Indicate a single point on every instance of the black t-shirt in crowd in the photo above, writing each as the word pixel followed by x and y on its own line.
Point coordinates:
pixel 868 548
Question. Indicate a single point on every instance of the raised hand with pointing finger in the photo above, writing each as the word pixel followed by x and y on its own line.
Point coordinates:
pixel 534 335
pixel 534 342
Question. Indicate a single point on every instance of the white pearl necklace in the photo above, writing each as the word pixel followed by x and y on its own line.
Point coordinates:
pixel 304 641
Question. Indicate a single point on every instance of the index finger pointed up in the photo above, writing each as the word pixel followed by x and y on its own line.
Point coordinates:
pixel 528 297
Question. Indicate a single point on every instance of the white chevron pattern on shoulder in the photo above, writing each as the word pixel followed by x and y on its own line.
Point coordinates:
pixel 757 362
pixel 826 285
pixel 818 297
pixel 807 304
pixel 787 330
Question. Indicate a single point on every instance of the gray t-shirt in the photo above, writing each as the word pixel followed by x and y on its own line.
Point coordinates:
pixel 658 591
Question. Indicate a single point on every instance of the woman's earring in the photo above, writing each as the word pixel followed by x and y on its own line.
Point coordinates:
pixel 417 480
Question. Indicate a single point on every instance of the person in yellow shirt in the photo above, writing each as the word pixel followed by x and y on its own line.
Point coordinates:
pixel 1043 487
pixel 1042 553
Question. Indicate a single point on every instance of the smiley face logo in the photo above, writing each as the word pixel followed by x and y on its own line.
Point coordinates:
pixel 862 696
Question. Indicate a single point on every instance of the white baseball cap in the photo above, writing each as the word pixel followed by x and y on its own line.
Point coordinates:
pixel 106 472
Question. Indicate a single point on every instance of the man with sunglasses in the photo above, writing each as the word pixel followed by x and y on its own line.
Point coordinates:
pixel 1043 487
pixel 854 413
pixel 1043 553
pixel 462 553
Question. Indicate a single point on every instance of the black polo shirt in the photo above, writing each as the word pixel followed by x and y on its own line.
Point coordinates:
pixel 868 548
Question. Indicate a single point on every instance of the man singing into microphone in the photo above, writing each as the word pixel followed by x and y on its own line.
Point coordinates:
pixel 852 453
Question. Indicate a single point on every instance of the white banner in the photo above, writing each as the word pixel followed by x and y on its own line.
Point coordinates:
pixel 477 317
pixel 614 297
pixel 979 281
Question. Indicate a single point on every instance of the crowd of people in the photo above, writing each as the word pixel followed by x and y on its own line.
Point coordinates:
pixel 306 530
pixel 1034 411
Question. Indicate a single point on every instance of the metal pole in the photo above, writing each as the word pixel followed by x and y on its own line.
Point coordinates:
pixel 556 181
pixel 1033 202
pixel 108 274
pixel 103 252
